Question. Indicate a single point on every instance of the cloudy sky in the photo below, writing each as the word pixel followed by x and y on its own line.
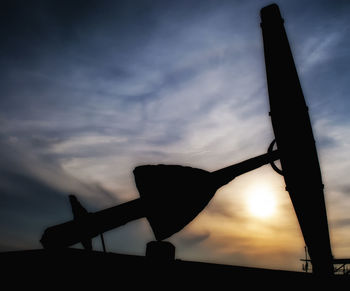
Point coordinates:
pixel 91 89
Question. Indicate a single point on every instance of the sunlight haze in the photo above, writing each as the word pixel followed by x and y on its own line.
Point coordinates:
pixel 92 89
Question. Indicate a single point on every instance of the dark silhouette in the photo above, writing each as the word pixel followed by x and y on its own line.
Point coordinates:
pixel 171 196
pixel 78 269
pixel 295 141
pixel 79 212
pixel 160 251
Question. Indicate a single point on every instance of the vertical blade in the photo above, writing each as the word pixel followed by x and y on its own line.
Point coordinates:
pixel 295 141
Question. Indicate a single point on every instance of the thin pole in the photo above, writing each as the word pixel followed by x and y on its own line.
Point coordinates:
pixel 103 243
pixel 306 261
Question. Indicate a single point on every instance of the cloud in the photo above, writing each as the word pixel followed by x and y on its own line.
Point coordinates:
pixel 318 49
pixel 28 206
pixel 222 207
pixel 34 195
pixel 189 239
pixel 89 91
pixel 341 223
pixel 345 189
pixel 333 153
pixel 36 166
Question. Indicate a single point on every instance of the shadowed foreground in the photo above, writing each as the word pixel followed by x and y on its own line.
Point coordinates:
pixel 78 268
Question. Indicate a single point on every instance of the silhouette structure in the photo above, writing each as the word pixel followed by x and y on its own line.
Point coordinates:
pixel 295 141
pixel 79 212
pixel 171 196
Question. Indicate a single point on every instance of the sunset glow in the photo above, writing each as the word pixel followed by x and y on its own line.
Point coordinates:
pixel 90 90
pixel 261 202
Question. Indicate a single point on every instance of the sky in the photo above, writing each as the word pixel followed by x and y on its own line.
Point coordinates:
pixel 91 89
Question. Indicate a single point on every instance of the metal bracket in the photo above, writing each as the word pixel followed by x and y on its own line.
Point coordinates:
pixel 273 165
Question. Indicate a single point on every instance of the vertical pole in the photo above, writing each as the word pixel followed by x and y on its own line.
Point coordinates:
pixel 103 243
pixel 306 262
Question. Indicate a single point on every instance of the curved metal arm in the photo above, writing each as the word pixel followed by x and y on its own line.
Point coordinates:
pixel 273 165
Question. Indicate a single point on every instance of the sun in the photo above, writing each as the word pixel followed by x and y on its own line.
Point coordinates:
pixel 261 202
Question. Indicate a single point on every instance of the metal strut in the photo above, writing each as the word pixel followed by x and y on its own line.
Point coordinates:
pixel 272 163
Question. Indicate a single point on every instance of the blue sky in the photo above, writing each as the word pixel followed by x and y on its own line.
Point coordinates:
pixel 92 89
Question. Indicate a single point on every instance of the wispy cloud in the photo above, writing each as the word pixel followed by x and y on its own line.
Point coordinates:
pixel 89 92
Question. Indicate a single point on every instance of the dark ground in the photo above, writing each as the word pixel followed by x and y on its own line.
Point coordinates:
pixel 77 269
